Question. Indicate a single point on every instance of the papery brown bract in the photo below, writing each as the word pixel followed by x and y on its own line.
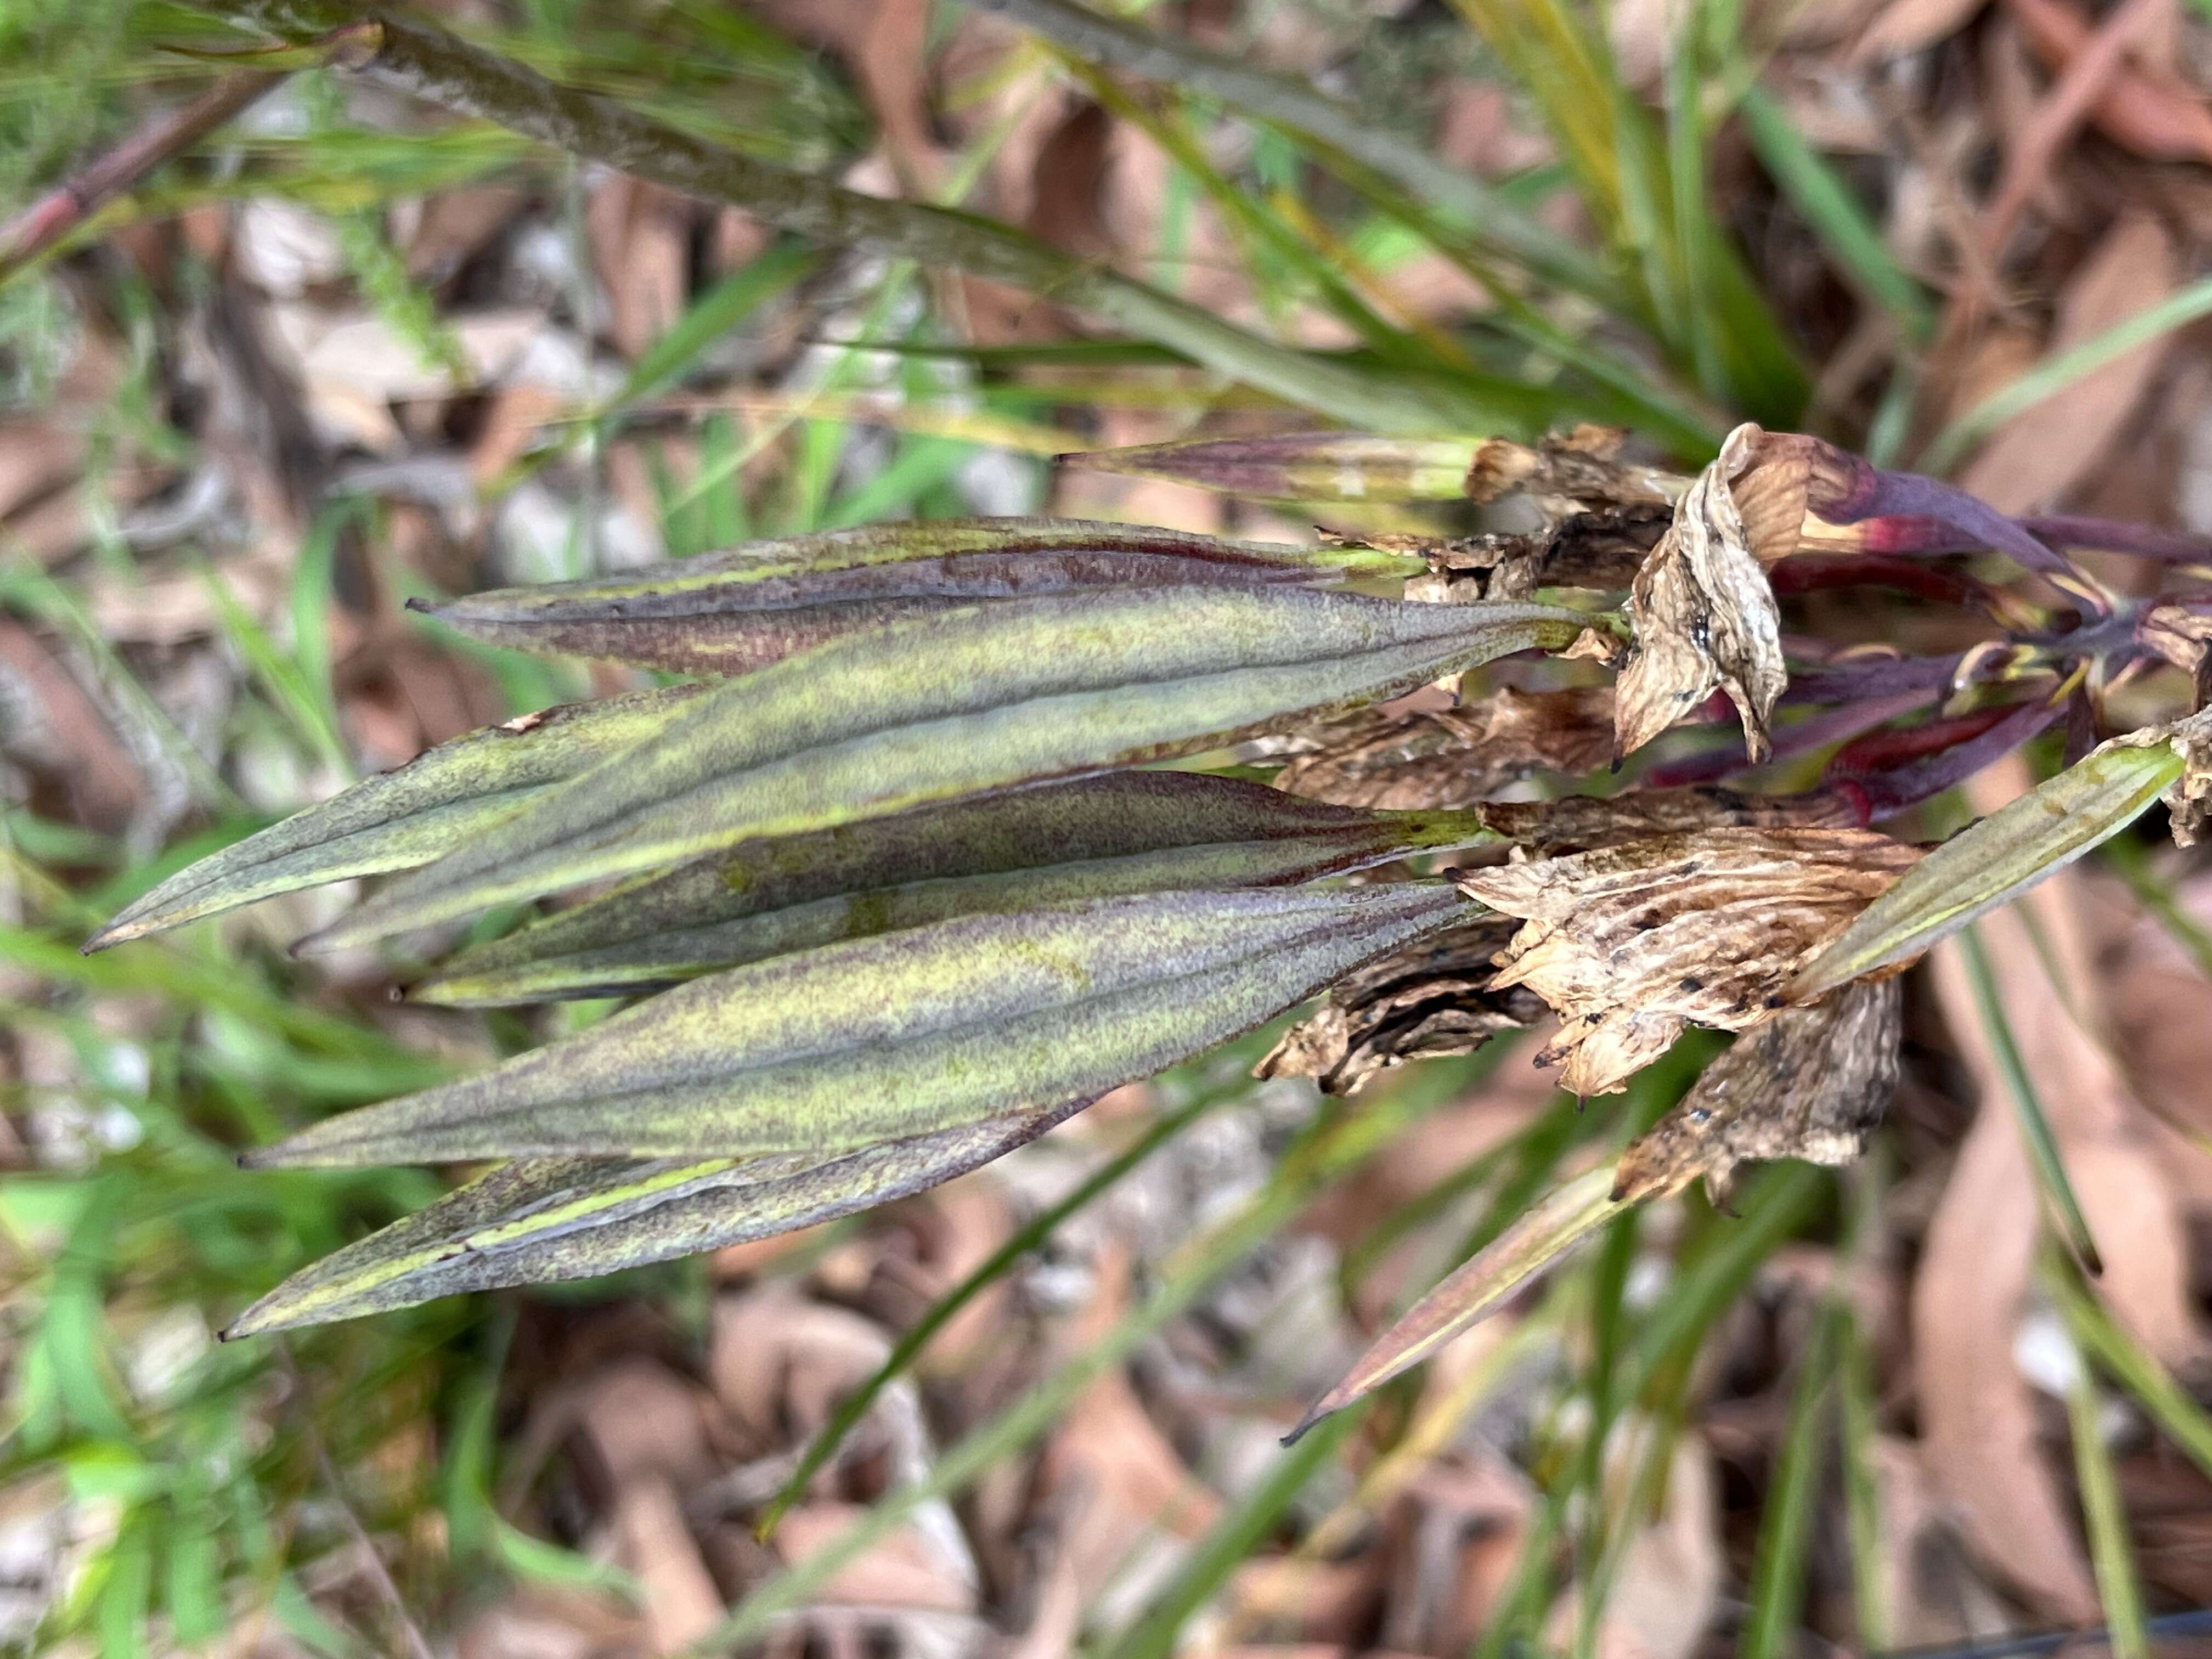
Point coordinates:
pixel 1703 613
pixel 1432 999
pixel 1452 758
pixel 1601 549
pixel 1631 944
pixel 1812 1083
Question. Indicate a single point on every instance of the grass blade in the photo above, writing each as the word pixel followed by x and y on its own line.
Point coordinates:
pixel 2061 370
pixel 2105 1519
pixel 1119 834
pixel 1776 1596
pixel 912 1033
pixel 1835 214
pixel 1995 859
pixel 400 819
pixel 978 699
pixel 1562 1219
pixel 2034 1123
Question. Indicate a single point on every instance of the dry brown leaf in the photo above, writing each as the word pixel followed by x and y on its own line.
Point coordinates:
pixel 2038 456
pixel 1811 1084
pixel 886 44
pixel 2188 801
pixel 1116 1475
pixel 64 732
pixel 643 1420
pixel 654 1541
pixel 1632 943
pixel 781 1359
pixel 1564 473
pixel 1433 998
pixel 1978 1424
pixel 1905 27
pixel 1399 757
pixel 902 1571
pixel 2151 111
pixel 1703 613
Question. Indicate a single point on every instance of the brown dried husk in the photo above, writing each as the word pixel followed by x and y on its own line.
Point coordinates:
pixel 1811 1083
pixel 1452 757
pixel 1432 998
pixel 1633 943
pixel 1703 613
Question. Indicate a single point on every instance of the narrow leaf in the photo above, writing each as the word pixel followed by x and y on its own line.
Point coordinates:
pixel 1994 860
pixel 1097 838
pixel 977 699
pixel 542 1219
pixel 968 1020
pixel 402 818
pixel 731 612
pixel 1541 1234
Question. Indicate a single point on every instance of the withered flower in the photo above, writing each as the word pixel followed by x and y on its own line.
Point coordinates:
pixel 1631 944
pixel 1601 548
pixel 1812 1083
pixel 2183 637
pixel 1567 472
pixel 1432 999
pixel 1452 757
pixel 1704 612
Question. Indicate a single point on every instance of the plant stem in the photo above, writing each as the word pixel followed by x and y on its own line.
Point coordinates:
pixel 428 63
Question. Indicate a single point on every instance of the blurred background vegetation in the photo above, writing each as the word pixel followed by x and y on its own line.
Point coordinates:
pixel 348 349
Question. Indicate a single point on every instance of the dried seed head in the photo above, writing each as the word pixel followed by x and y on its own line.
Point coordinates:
pixel 1703 611
pixel 1430 757
pixel 1429 1000
pixel 2184 638
pixel 1811 1084
pixel 1631 944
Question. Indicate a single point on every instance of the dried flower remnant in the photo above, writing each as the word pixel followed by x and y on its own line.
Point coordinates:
pixel 1430 757
pixel 1632 943
pixel 1703 610
pixel 1601 549
pixel 1432 998
pixel 1812 1083
pixel 2188 799
pixel 1568 472
pixel 2183 636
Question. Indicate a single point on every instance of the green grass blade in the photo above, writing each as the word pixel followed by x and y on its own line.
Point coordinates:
pixel 1234 1538
pixel 713 315
pixel 2105 1519
pixel 2027 1103
pixel 1029 1236
pixel 1857 1429
pixel 2110 1344
pixel 1851 238
pixel 1777 1595
pixel 1995 859
pixel 2050 377
pixel 1331 1150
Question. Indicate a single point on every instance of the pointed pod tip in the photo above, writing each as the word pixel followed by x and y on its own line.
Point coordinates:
pixel 1326 1407
pixel 416 602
